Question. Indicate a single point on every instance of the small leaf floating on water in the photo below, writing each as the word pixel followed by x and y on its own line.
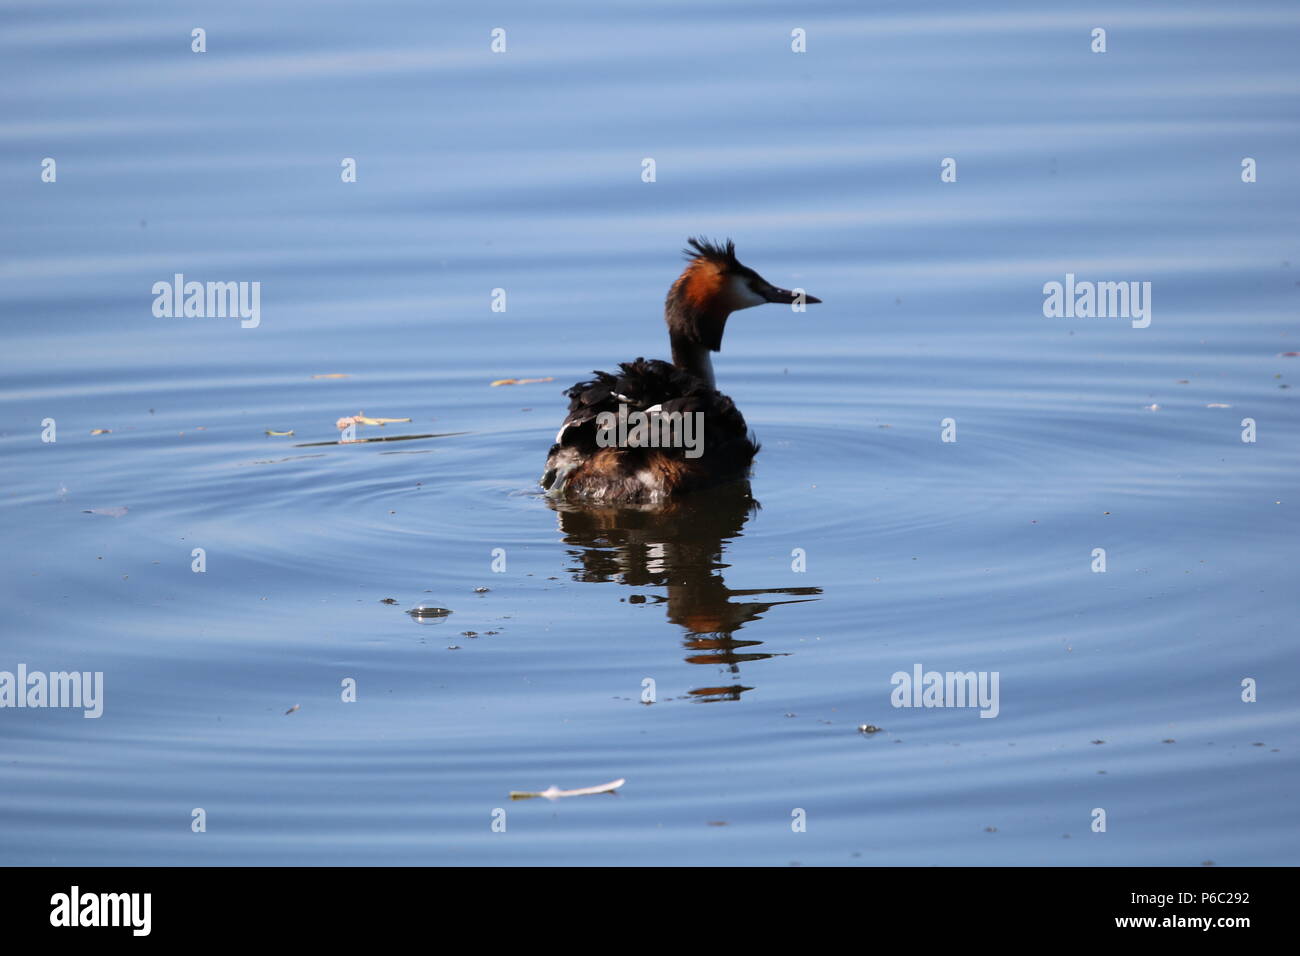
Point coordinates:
pixel 554 793
pixel 279 434
pixel 114 512
pixel 521 381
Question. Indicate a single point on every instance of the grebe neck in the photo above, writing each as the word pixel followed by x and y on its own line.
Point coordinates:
pixel 694 358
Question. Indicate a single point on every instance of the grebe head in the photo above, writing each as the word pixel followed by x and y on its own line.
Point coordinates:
pixel 712 286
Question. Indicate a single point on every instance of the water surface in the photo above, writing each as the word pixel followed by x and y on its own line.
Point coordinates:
pixel 769 621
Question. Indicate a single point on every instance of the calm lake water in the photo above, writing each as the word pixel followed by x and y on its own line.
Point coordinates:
pixel 770 627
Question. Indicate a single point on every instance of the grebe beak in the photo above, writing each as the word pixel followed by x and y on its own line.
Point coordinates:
pixel 773 294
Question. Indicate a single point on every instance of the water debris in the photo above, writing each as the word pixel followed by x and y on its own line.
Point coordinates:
pixel 425 611
pixel 481 590
pixel 359 441
pixel 101 431
pixel 1150 408
pixel 275 434
pixel 522 381
pixel 1217 405
pixel 114 512
pixel 869 729
pixel 554 793
pixel 332 375
pixel 388 600
pixel 292 709
pixel 360 418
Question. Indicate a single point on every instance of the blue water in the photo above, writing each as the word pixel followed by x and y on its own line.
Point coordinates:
pixel 522 171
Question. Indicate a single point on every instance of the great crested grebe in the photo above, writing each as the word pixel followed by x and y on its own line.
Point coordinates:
pixel 684 434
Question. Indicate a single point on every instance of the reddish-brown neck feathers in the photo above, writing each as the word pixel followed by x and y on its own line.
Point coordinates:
pixel 700 287
pixel 696 309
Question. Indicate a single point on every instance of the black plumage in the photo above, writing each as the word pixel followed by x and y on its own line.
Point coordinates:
pixel 578 466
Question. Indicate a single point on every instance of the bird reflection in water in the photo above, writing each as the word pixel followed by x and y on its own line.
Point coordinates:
pixel 679 546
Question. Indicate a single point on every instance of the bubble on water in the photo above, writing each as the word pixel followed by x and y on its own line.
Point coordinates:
pixel 428 614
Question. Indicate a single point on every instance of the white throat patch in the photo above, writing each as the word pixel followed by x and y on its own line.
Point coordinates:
pixel 740 295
